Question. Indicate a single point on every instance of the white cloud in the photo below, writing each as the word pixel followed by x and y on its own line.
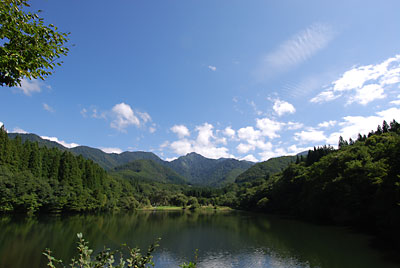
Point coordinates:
pixel 123 117
pixel 327 124
pixel 293 149
pixel 365 83
pixel 63 143
pixel 250 158
pixel 164 144
pixel 1 124
pixel 270 154
pixel 152 129
pixel 248 134
pixel 110 150
pixel 269 127
pixel 297 50
pixel 357 77
pixel 212 68
pixel 325 96
pixel 229 132
pixel 389 114
pixel 221 140
pixel 30 86
pixel 283 107
pixel 84 112
pixel 182 147
pixel 367 94
pixel 97 115
pixel 244 148
pixel 253 139
pixel 206 143
pixel 395 102
pixel 144 116
pixel 181 130
pixel 18 130
pixel 310 136
pixel 170 159
pixel 353 125
pixel 294 125
pixel 205 134
pixel 48 108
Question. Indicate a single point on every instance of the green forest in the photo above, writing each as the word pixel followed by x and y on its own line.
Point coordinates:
pixel 357 184
pixel 36 178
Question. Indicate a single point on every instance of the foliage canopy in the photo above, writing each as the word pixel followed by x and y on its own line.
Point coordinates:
pixel 28 48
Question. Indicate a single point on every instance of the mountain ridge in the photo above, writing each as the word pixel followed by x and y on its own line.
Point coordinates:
pixel 197 169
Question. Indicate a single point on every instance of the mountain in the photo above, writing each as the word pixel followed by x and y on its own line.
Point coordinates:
pixel 195 168
pixel 110 161
pixel 204 171
pixel 105 160
pixel 265 169
pixel 148 170
pixel 35 138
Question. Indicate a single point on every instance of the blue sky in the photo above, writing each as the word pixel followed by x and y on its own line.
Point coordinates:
pixel 244 79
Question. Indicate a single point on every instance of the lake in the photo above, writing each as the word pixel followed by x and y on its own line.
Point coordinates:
pixel 223 239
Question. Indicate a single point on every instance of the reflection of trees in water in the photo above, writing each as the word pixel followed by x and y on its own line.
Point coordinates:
pixel 23 239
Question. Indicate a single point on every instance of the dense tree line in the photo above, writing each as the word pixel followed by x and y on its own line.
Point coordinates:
pixel 358 184
pixel 36 178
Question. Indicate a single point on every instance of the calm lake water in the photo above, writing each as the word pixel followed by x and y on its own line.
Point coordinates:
pixel 224 239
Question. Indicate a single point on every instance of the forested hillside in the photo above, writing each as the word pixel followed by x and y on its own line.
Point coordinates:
pixel 196 169
pixel 358 184
pixel 264 169
pixel 147 170
pixel 204 171
pixel 36 178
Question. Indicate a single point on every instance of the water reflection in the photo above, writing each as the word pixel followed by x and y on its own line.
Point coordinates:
pixel 224 239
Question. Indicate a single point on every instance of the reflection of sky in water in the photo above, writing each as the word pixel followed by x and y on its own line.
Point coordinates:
pixel 249 257
pixel 233 239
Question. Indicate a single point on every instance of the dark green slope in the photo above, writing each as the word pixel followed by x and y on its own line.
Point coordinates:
pixel 105 160
pixel 356 185
pixel 264 169
pixel 110 161
pixel 194 167
pixel 147 170
pixel 35 138
pixel 204 171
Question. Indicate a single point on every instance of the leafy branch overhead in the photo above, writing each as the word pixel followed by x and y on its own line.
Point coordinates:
pixel 28 48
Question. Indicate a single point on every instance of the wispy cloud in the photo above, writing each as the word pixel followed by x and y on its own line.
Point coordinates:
pixel 298 49
pixel 212 68
pixel 28 87
pixel 18 130
pixel 84 112
pixel 363 84
pixel 48 108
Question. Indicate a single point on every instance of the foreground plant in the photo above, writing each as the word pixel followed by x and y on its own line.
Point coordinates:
pixel 105 258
